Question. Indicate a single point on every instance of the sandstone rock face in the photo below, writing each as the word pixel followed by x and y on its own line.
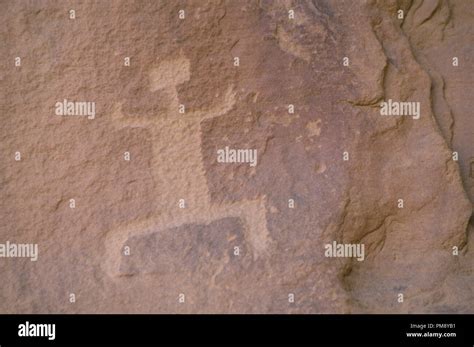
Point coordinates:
pixel 158 224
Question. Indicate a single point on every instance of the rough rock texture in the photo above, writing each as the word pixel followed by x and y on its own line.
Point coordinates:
pixel 135 205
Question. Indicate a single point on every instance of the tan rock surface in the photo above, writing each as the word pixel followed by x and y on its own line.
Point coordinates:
pixel 136 205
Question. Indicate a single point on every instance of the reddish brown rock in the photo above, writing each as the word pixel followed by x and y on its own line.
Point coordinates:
pixel 181 212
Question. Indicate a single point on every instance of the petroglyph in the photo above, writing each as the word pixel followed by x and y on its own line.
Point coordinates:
pixel 178 171
pixel 132 210
pixel 289 46
pixel 314 128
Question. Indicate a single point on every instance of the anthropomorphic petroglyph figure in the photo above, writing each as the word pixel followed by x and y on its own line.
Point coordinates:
pixel 178 171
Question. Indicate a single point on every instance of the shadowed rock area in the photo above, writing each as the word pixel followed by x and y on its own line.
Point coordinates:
pixel 170 228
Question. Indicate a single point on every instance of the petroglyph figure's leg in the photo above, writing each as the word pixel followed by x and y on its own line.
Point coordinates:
pixel 252 214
